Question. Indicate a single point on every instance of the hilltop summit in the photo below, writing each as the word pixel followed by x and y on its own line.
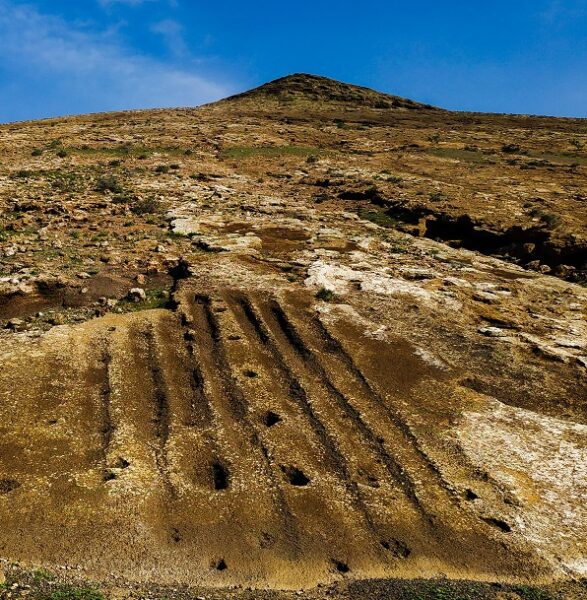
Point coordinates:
pixel 315 88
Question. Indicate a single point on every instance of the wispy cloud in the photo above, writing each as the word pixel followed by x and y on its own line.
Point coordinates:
pixel 128 2
pixel 81 69
pixel 172 33
pixel 111 3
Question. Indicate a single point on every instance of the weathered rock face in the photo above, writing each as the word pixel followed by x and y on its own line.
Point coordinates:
pixel 253 366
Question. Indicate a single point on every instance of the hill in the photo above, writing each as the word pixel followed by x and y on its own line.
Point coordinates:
pixel 317 90
pixel 276 344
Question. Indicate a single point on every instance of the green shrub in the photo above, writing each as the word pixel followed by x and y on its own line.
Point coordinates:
pixel 66 181
pixel 37 152
pixel 325 294
pixel 237 152
pixel 108 183
pixel 378 217
pixel 436 196
pixel 145 206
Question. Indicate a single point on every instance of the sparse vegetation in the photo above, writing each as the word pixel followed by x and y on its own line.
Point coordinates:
pixel 145 206
pixel 240 152
pixel 108 183
pixel 155 299
pixel 325 295
pixel 378 217
pixel 241 243
pixel 528 592
pixel 436 196
pixel 73 593
pixel 41 575
pixel 67 181
pixel 464 154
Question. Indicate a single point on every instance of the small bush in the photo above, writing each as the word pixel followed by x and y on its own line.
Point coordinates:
pixel 510 148
pixel 436 196
pixel 37 152
pixel 41 575
pixel 378 217
pixel 161 169
pixel 67 181
pixel 325 294
pixel 145 206
pixel 62 153
pixel 108 183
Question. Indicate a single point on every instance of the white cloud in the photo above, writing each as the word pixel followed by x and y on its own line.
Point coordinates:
pixel 85 70
pixel 129 2
pixel 109 3
pixel 172 33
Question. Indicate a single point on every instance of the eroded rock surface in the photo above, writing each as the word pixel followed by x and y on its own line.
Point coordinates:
pixel 236 349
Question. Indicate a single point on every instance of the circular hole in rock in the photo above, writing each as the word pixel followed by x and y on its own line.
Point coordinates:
pixel 220 565
pixel 220 476
pixel 249 373
pixel 295 476
pixel 271 418
pixel 121 463
pixel 471 495
pixel 341 567
pixel 499 523
pixel 398 548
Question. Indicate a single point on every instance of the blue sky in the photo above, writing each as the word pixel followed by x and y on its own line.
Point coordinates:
pixel 74 56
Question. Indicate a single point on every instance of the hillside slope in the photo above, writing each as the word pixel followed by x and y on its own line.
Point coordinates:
pixel 291 339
